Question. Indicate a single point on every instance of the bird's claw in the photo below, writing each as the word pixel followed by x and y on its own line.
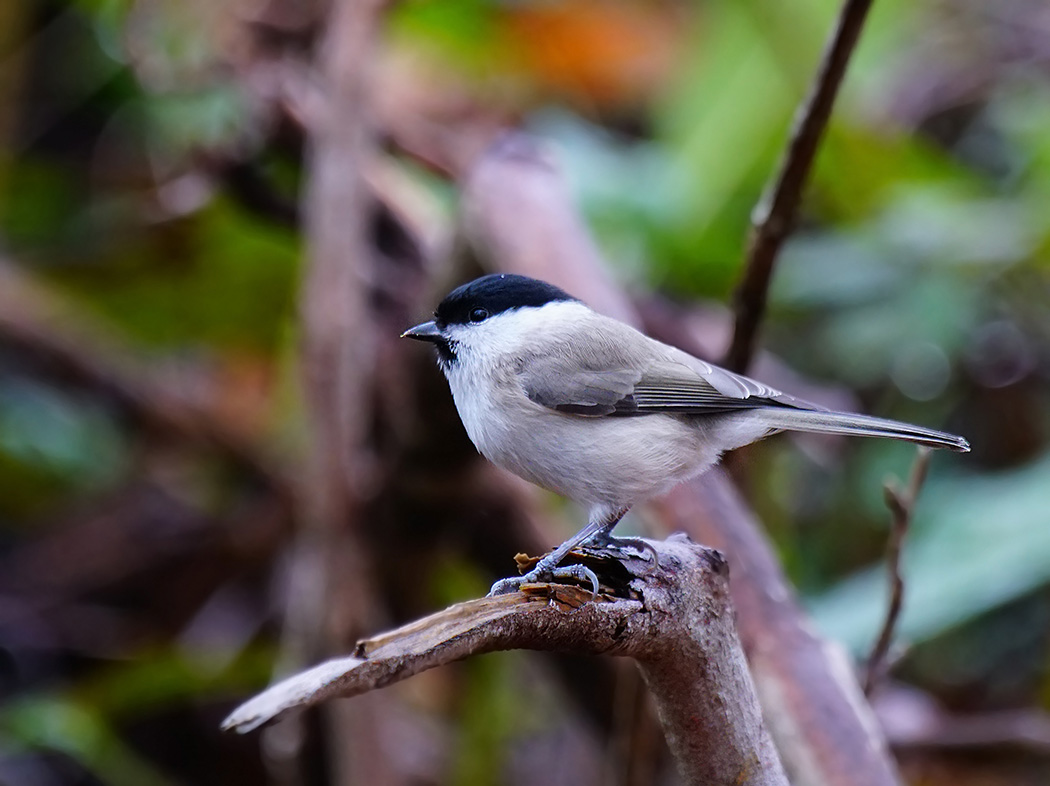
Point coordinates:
pixel 618 546
pixel 538 575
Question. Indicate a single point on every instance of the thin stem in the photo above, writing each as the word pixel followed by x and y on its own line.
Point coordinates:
pixel 774 215
pixel 902 505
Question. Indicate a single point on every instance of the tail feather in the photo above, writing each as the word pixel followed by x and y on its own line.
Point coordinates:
pixel 821 422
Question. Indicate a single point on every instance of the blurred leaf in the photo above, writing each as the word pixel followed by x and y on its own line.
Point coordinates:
pixel 464 31
pixel 1021 110
pixel 158 679
pixel 46 200
pixel 490 714
pixel 860 171
pixel 66 726
pixel 977 543
pixel 942 226
pixel 834 270
pixel 217 277
pixel 723 124
pixel 864 343
pixel 618 184
pixel 209 118
pixel 52 444
pixel 917 274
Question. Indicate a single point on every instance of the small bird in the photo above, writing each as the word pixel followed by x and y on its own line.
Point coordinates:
pixel 588 407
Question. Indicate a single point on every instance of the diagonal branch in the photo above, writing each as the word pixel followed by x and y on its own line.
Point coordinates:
pixel 676 620
pixel 469 628
pixel 774 215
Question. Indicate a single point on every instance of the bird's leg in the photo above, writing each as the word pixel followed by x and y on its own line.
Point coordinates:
pixel 607 519
pixel 604 540
pixel 596 530
pixel 547 568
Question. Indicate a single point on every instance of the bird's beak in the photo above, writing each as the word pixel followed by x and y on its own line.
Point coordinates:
pixel 428 331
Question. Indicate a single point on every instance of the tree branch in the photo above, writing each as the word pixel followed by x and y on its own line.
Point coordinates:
pixel 774 215
pixel 824 729
pixel 675 620
pixel 901 504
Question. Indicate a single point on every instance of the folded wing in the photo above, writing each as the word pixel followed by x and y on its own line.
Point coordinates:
pixel 561 382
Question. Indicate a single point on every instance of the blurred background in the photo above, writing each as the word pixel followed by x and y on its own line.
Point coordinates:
pixel 154 330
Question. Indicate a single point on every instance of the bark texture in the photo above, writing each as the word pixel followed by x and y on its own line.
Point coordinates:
pixel 675 620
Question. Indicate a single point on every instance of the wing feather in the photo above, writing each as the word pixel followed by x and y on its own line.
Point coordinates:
pixel 627 373
pixel 558 382
pixel 580 392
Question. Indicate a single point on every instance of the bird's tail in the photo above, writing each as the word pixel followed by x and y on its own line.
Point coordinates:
pixel 821 422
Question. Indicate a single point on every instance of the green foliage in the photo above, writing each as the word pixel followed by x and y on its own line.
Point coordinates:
pixel 52 444
pixel 47 200
pixel 461 31
pixel 45 723
pixel 82 723
pixel 492 703
pixel 978 542
pixel 223 280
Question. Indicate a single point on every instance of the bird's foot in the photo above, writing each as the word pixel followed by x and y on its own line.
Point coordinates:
pixel 620 546
pixel 542 573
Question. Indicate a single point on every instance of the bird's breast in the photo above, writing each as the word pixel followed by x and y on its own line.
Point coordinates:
pixel 604 460
pixel 481 401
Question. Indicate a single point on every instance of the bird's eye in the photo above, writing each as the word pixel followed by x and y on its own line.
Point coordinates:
pixel 479 315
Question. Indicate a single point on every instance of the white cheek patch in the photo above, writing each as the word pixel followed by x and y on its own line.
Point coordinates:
pixel 510 332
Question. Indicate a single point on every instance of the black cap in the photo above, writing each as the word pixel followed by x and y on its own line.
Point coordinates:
pixel 493 295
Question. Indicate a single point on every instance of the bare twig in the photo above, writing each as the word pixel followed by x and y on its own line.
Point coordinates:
pixel 901 503
pixel 332 596
pixel 774 215
pixel 675 620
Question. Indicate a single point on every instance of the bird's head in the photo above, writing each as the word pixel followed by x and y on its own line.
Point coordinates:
pixel 488 316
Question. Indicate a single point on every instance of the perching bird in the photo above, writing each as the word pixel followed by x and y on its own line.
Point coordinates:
pixel 588 407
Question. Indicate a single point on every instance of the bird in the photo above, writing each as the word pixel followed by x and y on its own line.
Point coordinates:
pixel 590 408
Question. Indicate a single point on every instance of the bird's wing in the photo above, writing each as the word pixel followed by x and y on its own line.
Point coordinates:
pixel 579 392
pixel 598 384
pixel 748 392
